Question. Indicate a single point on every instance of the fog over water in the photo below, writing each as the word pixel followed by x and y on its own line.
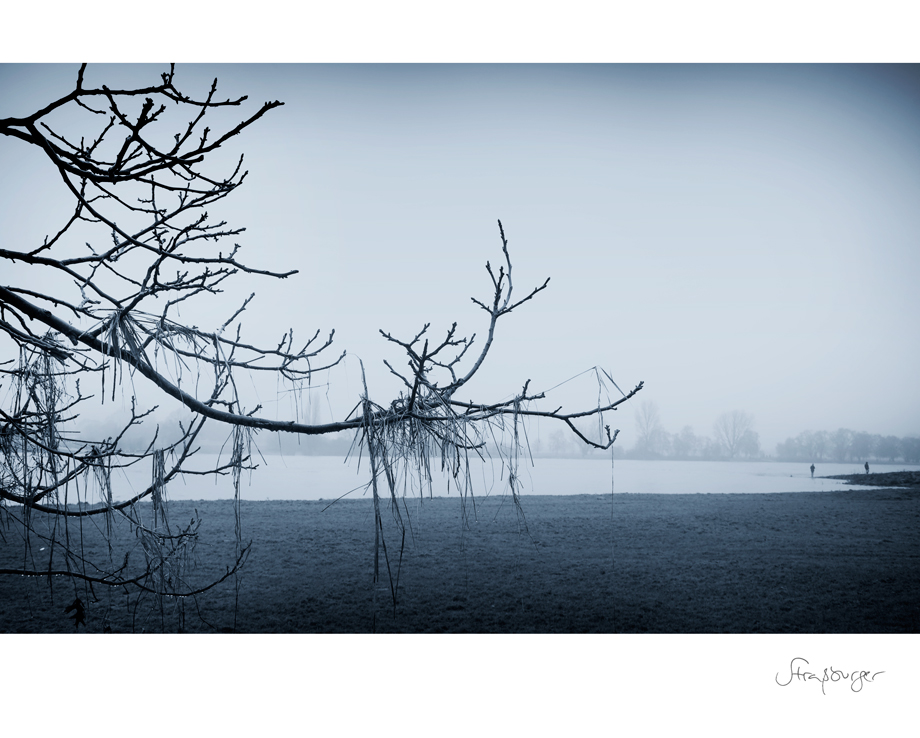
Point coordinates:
pixel 328 478
pixel 737 237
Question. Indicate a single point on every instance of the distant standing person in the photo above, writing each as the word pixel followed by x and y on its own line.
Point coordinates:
pixel 812 471
pixel 867 467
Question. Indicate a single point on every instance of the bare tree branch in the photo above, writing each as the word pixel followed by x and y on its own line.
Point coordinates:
pixel 140 180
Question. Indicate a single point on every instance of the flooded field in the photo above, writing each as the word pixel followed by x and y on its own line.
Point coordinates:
pixel 327 477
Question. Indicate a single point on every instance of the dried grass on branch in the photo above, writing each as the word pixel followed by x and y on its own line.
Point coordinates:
pixel 135 168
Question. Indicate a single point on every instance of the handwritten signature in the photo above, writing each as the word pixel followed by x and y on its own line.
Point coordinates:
pixel 857 679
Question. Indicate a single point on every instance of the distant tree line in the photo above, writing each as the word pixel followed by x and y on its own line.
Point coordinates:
pixel 733 437
pixel 844 445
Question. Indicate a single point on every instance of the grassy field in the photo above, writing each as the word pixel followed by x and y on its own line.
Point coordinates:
pixel 819 562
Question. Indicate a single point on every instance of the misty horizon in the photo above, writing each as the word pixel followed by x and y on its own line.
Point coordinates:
pixel 737 237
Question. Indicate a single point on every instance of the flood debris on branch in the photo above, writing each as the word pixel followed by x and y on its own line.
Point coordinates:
pixel 97 311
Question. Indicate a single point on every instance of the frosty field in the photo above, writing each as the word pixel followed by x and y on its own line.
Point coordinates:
pixel 836 560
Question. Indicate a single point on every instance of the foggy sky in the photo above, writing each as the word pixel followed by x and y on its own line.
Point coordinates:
pixel 737 237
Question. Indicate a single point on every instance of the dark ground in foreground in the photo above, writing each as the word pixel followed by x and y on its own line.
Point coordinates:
pixel 818 562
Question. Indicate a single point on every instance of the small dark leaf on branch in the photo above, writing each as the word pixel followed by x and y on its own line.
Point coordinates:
pixel 79 613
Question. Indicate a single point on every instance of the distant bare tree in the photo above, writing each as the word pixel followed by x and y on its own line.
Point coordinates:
pixel 730 430
pixel 841 441
pixel 686 443
pixel 649 431
pixel 749 445
pixel 99 305
pixel 862 446
pixel 888 447
pixel 819 445
pixel 910 449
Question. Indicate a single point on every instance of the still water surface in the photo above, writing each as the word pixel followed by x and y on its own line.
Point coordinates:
pixel 325 477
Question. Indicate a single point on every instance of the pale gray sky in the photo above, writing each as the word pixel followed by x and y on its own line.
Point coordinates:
pixel 738 237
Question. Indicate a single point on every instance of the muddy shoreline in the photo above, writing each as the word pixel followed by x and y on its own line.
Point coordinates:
pixel 884 479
